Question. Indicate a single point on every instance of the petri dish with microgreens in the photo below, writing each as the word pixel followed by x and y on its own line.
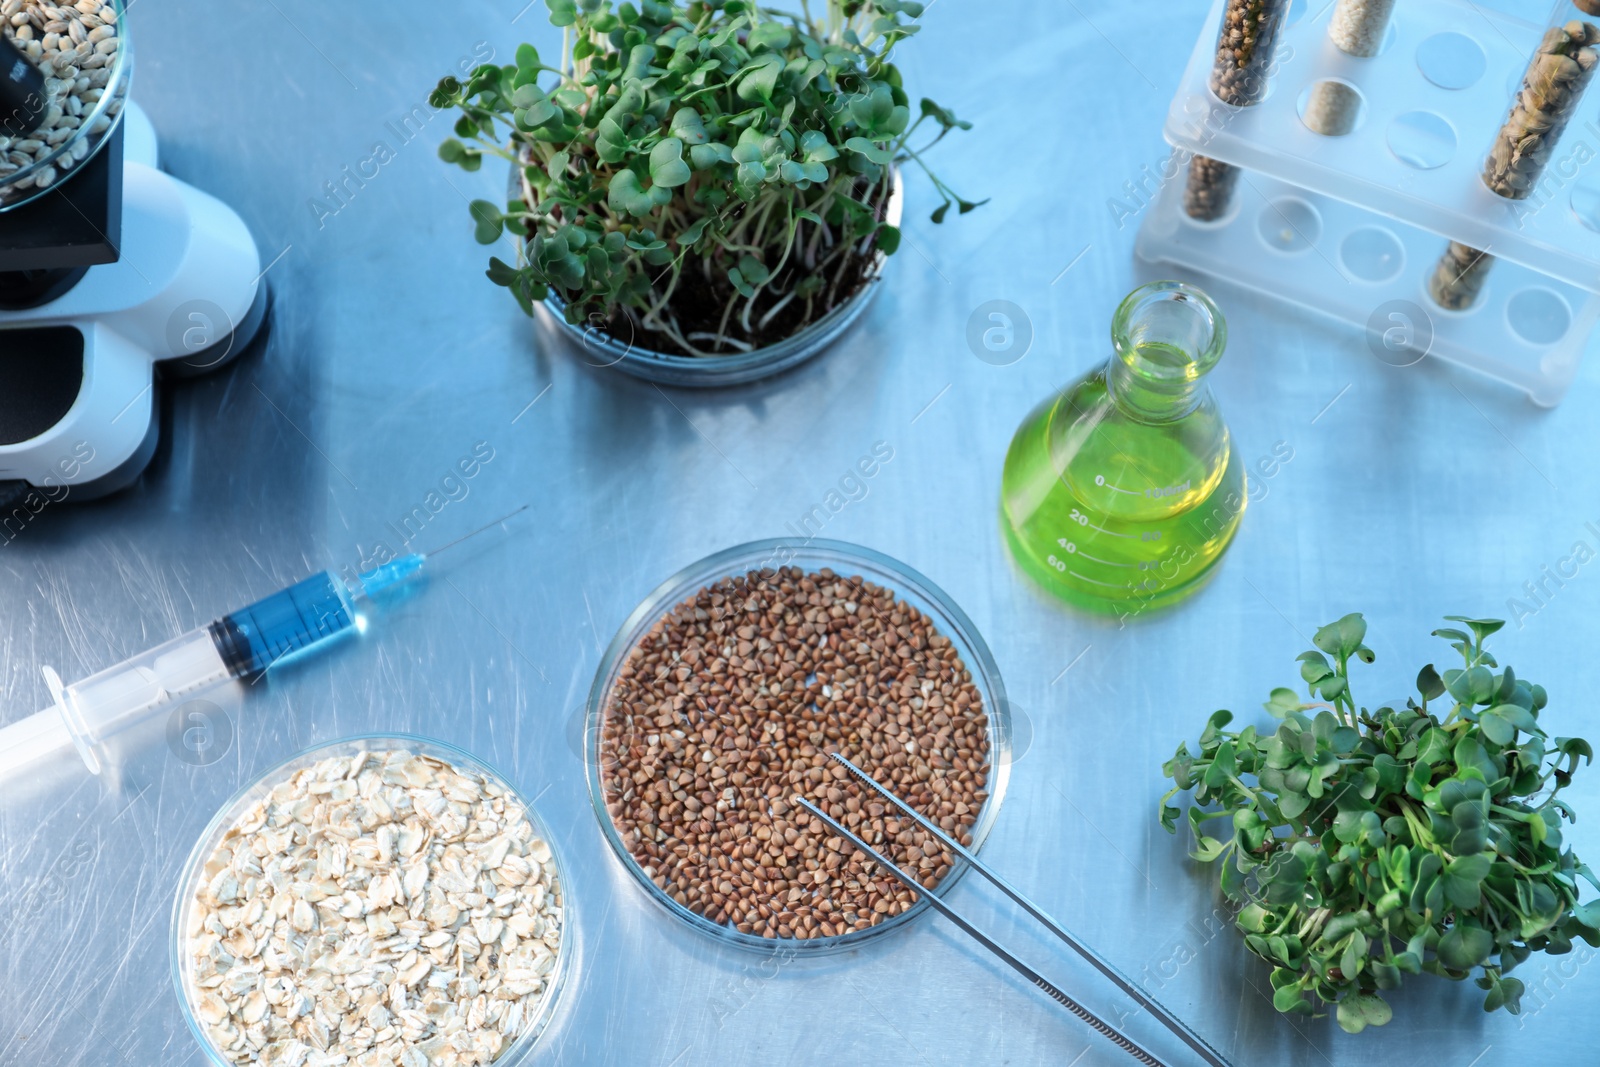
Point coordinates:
pixel 380 899
pixel 713 713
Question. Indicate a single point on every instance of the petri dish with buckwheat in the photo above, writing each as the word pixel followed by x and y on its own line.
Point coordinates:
pixel 717 703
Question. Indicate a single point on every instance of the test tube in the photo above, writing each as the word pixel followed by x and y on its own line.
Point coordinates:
pixel 1239 77
pixel 1561 68
pixel 1357 29
pixel 1557 75
pixel 1358 26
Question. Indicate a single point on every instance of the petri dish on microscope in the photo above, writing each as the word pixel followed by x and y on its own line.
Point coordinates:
pixel 50 165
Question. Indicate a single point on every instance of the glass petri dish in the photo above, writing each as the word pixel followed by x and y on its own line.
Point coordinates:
pixel 847 561
pixel 597 347
pixel 97 123
pixel 182 962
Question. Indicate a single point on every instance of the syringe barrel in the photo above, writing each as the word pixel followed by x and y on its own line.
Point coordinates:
pixel 285 624
pixel 242 644
pixel 120 696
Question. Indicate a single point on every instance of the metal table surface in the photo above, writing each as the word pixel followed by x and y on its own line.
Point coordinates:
pixel 1412 493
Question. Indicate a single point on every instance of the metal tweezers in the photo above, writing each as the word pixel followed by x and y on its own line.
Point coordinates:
pixel 1201 1047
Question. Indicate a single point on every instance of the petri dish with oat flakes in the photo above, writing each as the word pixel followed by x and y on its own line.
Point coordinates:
pixel 717 702
pixel 385 899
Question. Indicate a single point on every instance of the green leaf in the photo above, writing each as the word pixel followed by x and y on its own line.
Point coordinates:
pixel 611 142
pixel 1496 728
pixel 501 272
pixel 1290 999
pixel 769 36
pixel 667 168
pixel 1481 628
pixel 1427 875
pixel 754 271
pixel 943 116
pixel 1293 805
pixel 1480 681
pixel 1313 667
pixel 1384 975
pixel 489 221
pixel 888 239
pixel 1463 877
pixel 1470 753
pixel 693 234
pixel 760 78
pixel 1429 684
pixel 1342 638
pixel 1465 947
pixel 1347 826
pixel 1284 703
pixel 1355 955
pixel 563 12
pixel 1214 725
pixel 626 195
pixel 1360 1011
pixel 749 175
pixel 816 148
pixel 689 127
pixel 1588 914
pixel 1391 773
pixel 736 280
pixel 1434 746
pixel 1504 993
pixel 1223 765
pixel 794 173
pixel 1522 718
pixel 1575 748
pixel 862 146
pixel 706 156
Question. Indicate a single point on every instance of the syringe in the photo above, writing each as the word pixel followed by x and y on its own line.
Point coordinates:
pixel 244 644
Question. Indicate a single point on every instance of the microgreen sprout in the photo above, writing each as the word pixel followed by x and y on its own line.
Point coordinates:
pixel 1366 845
pixel 715 170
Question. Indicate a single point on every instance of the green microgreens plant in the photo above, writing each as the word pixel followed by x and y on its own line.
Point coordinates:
pixel 1366 845
pixel 715 172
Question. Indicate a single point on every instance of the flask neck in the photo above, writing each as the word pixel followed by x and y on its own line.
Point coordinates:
pixel 1167 336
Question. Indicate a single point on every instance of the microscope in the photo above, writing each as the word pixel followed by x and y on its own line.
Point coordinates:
pixel 113 275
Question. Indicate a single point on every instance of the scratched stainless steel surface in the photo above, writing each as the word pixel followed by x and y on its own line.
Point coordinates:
pixel 1412 493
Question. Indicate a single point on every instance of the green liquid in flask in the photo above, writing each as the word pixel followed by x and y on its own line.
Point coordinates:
pixel 1121 493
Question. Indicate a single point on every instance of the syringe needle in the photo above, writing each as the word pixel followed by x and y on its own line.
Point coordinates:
pixel 465 537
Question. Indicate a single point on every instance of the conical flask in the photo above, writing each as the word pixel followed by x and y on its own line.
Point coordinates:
pixel 1122 492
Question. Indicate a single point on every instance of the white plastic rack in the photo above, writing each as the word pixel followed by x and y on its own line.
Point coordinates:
pixel 1352 226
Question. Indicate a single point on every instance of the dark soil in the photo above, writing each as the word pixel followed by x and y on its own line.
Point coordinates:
pixel 698 304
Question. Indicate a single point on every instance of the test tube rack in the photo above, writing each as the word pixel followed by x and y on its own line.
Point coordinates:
pixel 1352 226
